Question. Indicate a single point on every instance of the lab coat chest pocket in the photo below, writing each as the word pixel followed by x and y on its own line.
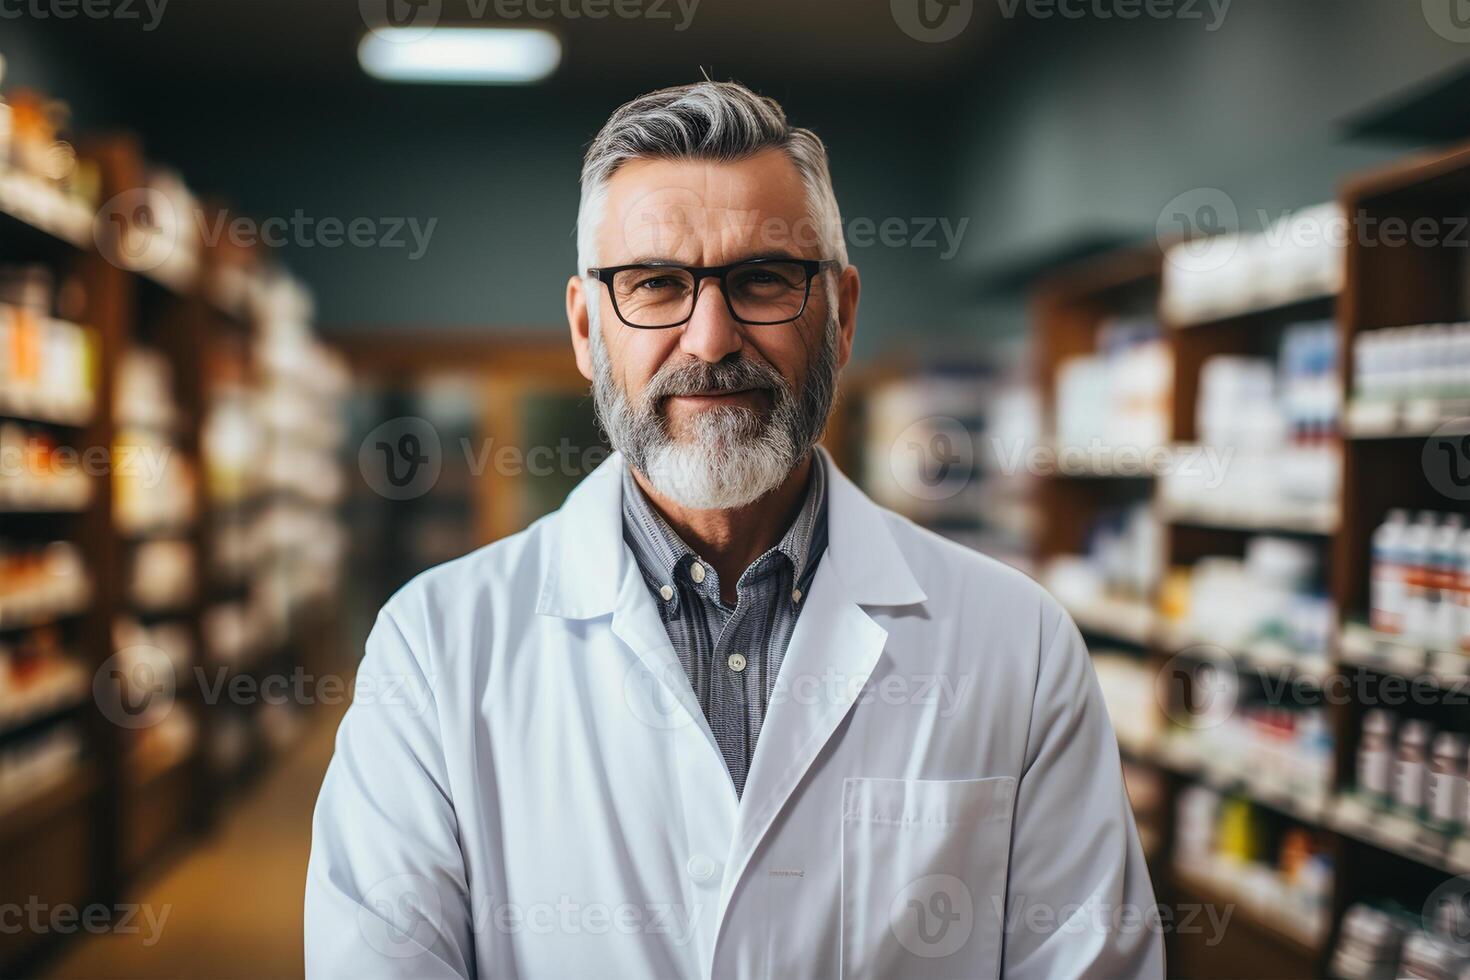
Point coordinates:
pixel 924 876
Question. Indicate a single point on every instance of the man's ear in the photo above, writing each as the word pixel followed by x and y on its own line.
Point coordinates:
pixel 580 321
pixel 849 288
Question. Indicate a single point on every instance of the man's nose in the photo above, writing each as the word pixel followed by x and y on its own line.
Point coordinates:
pixel 711 333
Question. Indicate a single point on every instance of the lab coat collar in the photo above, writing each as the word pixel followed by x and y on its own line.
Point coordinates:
pixel 584 578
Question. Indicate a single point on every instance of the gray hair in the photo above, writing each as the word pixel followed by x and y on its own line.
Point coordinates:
pixel 722 121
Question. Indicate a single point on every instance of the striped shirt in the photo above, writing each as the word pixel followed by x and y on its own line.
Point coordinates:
pixel 731 654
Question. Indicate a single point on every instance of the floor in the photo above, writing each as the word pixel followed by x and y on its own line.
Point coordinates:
pixel 231 906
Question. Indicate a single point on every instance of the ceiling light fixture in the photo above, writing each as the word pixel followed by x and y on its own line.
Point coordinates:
pixel 460 55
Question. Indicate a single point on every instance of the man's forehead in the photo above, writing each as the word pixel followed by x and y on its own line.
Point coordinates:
pixel 686 209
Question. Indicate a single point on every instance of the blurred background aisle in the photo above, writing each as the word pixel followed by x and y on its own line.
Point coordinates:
pixel 1167 304
pixel 254 863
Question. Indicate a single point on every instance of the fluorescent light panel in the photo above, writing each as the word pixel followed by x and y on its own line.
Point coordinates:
pixel 460 55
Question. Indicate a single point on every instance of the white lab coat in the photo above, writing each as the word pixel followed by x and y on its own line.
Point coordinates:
pixel 524 786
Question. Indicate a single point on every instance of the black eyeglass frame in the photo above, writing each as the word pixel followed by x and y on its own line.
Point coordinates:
pixel 812 267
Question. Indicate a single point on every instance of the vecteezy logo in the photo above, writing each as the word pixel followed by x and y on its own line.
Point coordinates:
pixel 1450 19
pixel 134 688
pixel 136 230
pixel 1194 229
pixel 397 915
pixel 402 458
pixel 1447 910
pixel 663 221
pixel 933 917
pixel 400 20
pixel 932 21
pixel 1446 459
pixel 408 450
pixel 1199 686
pixel 933 458
pixel 662 700
pixel 942 907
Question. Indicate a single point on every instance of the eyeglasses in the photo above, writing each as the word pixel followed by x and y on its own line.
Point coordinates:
pixel 758 292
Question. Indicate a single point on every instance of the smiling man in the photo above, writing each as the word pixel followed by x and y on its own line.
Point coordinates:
pixel 721 715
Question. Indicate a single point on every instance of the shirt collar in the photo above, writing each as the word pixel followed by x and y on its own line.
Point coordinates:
pixel 658 547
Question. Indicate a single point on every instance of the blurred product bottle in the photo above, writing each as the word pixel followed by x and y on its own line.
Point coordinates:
pixel 1309 392
pixel 1118 396
pixel 1313 751
pixel 1428 361
pixel 1239 838
pixel 1375 753
pixel 1462 591
pixel 1420 579
pixel 1368 945
pixel 1313 893
pixel 1428 957
pixel 1442 606
pixel 1300 876
pixel 1446 790
pixel 1411 767
pixel 1415 551
pixel 1198 811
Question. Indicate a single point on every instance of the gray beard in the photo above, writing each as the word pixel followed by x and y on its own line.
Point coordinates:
pixel 729 457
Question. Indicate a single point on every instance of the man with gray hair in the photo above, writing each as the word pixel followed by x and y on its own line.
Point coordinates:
pixel 721 715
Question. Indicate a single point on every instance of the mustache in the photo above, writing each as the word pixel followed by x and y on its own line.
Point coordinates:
pixel 697 377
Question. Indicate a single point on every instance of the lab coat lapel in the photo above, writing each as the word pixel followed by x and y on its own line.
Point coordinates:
pixel 832 654
pixel 672 702
pixel 592 574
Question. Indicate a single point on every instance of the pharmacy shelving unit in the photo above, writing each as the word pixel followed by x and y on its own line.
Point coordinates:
pixel 234 649
pixel 54 832
pixel 1271 944
pixel 927 439
pixel 158 783
pixel 91 829
pixel 1377 854
pixel 1403 283
pixel 1068 310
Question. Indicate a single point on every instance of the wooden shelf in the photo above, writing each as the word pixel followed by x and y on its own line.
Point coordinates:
pixel 1397 834
pixel 1308 521
pixel 1128 621
pixel 1264 920
pixel 1380 470
pixel 61 694
pixel 1173 754
pixel 1407 420
pixel 1386 653
pixel 17 817
pixel 1260 310
pixel 1262 657
pixel 1427 174
pixel 29 202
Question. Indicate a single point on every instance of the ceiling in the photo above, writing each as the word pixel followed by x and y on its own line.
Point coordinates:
pixel 829 42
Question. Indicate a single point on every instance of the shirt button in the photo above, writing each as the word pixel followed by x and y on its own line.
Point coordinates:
pixel 666 593
pixel 701 867
pixel 696 572
pixel 736 662
pixel 795 595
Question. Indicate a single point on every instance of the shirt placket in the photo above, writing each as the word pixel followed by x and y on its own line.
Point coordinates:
pixel 724 696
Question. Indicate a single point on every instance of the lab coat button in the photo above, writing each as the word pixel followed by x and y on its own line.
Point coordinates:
pixel 701 867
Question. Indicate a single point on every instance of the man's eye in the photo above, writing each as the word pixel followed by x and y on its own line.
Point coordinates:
pixel 658 282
